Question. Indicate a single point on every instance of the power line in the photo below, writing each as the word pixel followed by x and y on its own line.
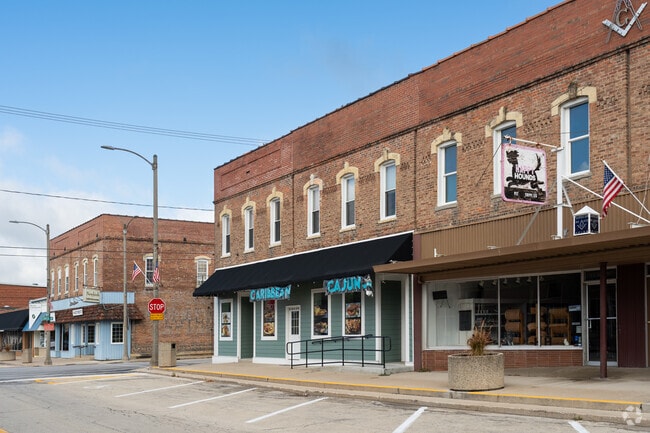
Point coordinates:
pixel 244 141
pixel 102 201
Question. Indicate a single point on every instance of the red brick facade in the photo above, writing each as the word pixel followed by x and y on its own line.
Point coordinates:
pixel 524 74
pixel 188 320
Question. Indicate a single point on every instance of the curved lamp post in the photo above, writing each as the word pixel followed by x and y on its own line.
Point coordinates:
pixel 46 230
pixel 154 167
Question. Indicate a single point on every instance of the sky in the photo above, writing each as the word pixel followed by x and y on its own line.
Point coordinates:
pixel 197 83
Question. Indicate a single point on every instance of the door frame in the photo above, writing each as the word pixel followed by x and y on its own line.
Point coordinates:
pixel 287 328
pixel 587 321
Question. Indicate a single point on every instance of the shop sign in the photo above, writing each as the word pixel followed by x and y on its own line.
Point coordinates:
pixel 91 295
pixel 523 174
pixel 349 284
pixel 78 312
pixel 268 293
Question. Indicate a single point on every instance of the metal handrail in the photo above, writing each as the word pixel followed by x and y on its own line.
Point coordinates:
pixel 334 345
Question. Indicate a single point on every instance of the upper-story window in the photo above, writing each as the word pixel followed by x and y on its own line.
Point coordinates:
pixel 201 271
pixel 313 210
pixel 76 276
pixel 149 270
pixel 447 175
pixel 58 281
pixel 85 273
pixel 348 197
pixel 388 200
pixel 506 129
pixel 575 135
pixel 225 235
pixel 67 279
pixel 274 220
pixel 95 271
pixel 249 229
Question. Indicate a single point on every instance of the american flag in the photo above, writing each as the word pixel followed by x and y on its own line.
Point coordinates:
pixel 156 274
pixel 611 187
pixel 136 271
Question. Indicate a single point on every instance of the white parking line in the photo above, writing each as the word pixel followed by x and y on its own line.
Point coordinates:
pixel 158 389
pixel 211 398
pixel 250 421
pixel 578 427
pixel 406 424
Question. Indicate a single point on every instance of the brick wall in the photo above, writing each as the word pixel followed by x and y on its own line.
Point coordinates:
pixel 188 320
pixel 436 360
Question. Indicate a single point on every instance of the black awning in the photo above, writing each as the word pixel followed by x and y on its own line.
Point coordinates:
pixel 13 321
pixel 337 262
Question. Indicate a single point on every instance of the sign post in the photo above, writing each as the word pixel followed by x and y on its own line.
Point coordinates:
pixel 157 309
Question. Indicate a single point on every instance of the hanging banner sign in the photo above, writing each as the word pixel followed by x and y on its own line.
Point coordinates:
pixel 523 174
pixel 269 293
pixel 349 284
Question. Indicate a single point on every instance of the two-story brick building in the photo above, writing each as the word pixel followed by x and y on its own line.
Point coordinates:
pixel 88 265
pixel 490 165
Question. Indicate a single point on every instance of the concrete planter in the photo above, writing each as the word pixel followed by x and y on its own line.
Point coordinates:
pixel 7 356
pixel 475 373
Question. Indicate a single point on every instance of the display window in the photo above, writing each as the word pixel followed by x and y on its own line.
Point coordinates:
pixel 352 305
pixel 320 313
pixel 225 316
pixel 521 310
pixel 269 316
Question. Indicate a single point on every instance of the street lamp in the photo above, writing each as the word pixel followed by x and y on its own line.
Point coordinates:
pixel 154 167
pixel 46 230
pixel 125 314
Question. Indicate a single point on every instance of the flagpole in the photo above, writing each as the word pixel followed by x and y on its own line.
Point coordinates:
pixel 601 197
pixel 625 186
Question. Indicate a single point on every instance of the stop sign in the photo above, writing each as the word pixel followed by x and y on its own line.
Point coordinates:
pixel 156 305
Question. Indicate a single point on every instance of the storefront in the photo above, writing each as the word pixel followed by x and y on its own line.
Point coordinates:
pixel 544 302
pixel 92 329
pixel 275 311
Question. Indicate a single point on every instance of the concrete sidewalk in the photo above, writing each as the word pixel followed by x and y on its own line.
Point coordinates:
pixel 568 393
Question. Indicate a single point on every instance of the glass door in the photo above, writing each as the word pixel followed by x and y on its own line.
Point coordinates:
pixel 292 333
pixel 593 323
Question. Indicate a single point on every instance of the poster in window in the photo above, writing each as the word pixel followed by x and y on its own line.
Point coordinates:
pixel 226 320
pixel 268 323
pixel 353 313
pixel 321 326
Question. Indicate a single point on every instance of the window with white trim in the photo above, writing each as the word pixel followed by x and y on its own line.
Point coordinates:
pixel 348 201
pixel 225 319
pixel 66 281
pixel 575 136
pixel 388 201
pixel 149 269
pixel 313 210
pixel 269 319
pixel 117 333
pixel 447 175
pixel 225 235
pixel 95 271
pixel 76 276
pixel 274 217
pixel 249 229
pixel 201 271
pixel 320 313
pixel 85 273
pixel 506 129
pixel 58 281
